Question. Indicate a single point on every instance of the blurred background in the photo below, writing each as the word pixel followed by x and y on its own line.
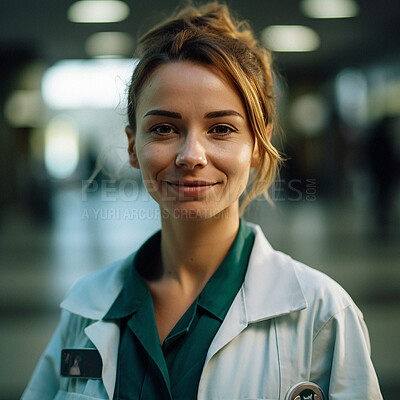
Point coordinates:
pixel 64 67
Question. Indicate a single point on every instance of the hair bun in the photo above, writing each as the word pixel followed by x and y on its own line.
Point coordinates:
pixel 212 18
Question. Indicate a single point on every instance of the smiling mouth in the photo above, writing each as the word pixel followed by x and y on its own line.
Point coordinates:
pixel 191 188
pixel 192 183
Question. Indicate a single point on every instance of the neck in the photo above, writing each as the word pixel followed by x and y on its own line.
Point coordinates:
pixel 192 250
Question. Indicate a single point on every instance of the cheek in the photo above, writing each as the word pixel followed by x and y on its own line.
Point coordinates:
pixel 244 156
pixel 237 159
pixel 150 158
pixel 236 166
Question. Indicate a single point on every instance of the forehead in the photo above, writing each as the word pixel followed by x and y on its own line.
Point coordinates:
pixel 185 84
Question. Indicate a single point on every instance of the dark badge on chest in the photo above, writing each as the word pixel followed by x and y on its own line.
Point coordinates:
pixel 305 391
pixel 81 363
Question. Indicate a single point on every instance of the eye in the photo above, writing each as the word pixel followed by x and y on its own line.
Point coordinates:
pixel 162 130
pixel 223 130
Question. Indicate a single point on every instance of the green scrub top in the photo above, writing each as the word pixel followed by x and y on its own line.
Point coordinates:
pixel 149 370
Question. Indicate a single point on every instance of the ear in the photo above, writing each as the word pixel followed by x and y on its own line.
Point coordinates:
pixel 269 128
pixel 255 157
pixel 131 147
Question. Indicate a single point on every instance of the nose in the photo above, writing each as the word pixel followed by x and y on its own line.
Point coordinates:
pixel 191 154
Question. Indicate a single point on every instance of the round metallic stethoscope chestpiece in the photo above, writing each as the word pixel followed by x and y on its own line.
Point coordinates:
pixel 305 391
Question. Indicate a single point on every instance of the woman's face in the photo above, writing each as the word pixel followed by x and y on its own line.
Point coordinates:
pixel 193 141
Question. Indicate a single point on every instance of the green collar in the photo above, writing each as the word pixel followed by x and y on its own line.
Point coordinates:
pixel 217 295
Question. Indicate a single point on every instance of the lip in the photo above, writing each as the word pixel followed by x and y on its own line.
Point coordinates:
pixel 191 188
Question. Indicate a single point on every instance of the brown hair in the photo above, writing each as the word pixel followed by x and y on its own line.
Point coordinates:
pixel 210 35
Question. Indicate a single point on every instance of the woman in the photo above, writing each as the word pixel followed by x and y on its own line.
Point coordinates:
pixel 206 308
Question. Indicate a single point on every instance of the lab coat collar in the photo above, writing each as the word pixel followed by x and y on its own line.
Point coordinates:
pixel 270 289
pixel 271 286
pixel 92 301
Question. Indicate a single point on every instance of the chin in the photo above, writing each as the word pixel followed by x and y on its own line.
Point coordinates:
pixel 194 213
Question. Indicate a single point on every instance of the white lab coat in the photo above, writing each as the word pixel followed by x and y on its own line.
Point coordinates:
pixel 288 323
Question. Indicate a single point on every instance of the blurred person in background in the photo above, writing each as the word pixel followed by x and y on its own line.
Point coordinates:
pixel 206 308
pixel 384 168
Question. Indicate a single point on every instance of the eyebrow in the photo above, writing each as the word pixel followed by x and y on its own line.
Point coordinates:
pixel 163 113
pixel 210 115
pixel 223 113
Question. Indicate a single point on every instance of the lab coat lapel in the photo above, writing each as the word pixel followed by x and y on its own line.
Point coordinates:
pixel 105 336
pixel 271 285
pixel 234 323
pixel 92 302
pixel 271 288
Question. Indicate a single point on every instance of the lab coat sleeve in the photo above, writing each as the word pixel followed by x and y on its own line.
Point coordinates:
pixel 45 381
pixel 341 357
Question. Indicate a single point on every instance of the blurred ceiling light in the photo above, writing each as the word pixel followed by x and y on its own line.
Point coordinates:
pixel 61 147
pixel 77 84
pixel 290 38
pixel 309 114
pixel 98 11
pixel 24 108
pixel 109 44
pixel 329 8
